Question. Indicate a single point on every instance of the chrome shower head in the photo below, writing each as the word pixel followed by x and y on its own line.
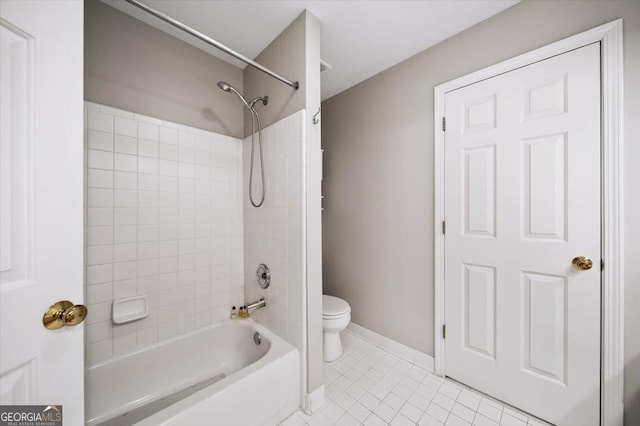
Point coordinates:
pixel 224 86
pixel 229 88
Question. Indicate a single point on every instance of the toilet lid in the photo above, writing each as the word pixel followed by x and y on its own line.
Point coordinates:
pixel 334 306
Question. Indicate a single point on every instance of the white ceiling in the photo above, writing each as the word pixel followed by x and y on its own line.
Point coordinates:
pixel 359 38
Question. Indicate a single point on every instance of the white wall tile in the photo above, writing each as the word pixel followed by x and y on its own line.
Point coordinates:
pixel 147 148
pixel 99 178
pixel 168 135
pixel 123 289
pixel 99 351
pixel 148 131
pixel 125 216
pixel 125 252
pixel 98 255
pixel 99 235
pixel 124 234
pixel 99 216
pixel 147 182
pixel 147 165
pixel 126 144
pixel 150 227
pixel 99 121
pixel 125 162
pixel 126 127
pixel 99 140
pixel 99 159
pixel 125 180
pixel 97 274
pixel 125 198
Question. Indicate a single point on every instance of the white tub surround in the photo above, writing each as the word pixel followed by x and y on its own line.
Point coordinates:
pixel 273 233
pixel 262 380
pixel 163 219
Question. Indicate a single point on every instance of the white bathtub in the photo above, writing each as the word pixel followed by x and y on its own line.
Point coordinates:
pixel 258 384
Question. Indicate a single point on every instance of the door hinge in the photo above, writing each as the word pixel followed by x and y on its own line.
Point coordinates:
pixel 444 331
pixel 602 264
pixel 444 227
pixel 444 124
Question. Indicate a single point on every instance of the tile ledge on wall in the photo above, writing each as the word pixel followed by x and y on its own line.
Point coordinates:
pixel 409 354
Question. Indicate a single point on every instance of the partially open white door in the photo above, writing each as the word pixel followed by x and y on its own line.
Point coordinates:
pixel 41 202
pixel 522 200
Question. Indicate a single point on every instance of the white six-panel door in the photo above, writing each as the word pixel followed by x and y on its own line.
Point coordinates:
pixel 41 215
pixel 522 199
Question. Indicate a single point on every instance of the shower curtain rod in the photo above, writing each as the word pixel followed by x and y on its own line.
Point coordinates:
pixel 168 19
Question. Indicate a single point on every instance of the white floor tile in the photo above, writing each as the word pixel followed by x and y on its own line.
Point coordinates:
pixel 489 410
pixel 400 420
pixel 443 401
pixel 347 420
pixel 402 391
pixel 359 412
pixel 365 382
pixel 411 412
pixel 379 391
pixel 481 420
pixel 463 412
pixel 333 411
pixel 393 401
pixel 427 420
pixel 450 389
pixel 509 420
pixel 514 413
pixel 374 420
pixel 369 401
pixel 345 401
pixel 468 400
pixel 437 412
pixel 293 420
pixel 425 392
pixel 320 419
pixel 370 386
pixel 385 412
pixel 419 401
pixel 454 420
pixel 342 382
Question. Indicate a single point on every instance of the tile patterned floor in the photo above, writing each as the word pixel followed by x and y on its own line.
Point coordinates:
pixel 369 386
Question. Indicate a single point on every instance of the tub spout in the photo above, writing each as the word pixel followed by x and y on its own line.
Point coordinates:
pixel 260 303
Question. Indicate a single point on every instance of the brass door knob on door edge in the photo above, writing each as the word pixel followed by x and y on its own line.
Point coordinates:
pixel 582 263
pixel 63 313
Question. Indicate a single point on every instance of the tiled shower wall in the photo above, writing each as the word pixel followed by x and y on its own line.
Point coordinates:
pixel 164 217
pixel 273 233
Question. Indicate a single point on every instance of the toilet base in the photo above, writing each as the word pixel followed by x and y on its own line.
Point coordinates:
pixel 332 347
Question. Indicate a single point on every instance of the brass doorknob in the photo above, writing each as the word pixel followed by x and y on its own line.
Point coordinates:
pixel 582 263
pixel 63 313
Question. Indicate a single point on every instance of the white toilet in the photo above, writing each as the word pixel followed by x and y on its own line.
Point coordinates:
pixel 336 314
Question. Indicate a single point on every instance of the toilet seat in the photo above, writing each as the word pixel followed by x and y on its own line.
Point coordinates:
pixel 334 307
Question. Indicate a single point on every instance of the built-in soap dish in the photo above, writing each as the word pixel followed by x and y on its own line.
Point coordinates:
pixel 130 309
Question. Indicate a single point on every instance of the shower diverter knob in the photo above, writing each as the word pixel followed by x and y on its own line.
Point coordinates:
pixel 263 276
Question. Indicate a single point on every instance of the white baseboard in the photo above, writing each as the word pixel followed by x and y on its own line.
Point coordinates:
pixel 314 401
pixel 405 352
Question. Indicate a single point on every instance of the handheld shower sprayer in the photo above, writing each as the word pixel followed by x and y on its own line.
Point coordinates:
pixel 254 118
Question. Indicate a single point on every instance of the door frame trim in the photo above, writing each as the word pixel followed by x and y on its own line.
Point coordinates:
pixel 612 322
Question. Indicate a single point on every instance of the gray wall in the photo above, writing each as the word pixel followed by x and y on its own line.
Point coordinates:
pixel 285 56
pixel 378 176
pixel 133 66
